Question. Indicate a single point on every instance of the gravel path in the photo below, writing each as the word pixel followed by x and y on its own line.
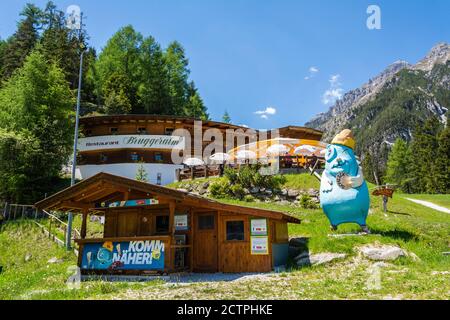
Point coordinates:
pixel 430 205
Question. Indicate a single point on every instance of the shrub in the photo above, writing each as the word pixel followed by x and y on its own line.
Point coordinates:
pixel 249 198
pixel 219 189
pixel 306 203
pixel 237 190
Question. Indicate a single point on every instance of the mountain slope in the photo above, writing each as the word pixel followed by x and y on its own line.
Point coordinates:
pixel 392 104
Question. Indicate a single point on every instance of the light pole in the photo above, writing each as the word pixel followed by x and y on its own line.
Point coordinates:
pixel 75 144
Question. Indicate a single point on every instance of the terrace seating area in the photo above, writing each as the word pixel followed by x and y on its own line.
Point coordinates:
pixel 287 164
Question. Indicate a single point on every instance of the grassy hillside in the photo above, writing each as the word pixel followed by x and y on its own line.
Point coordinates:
pixel 423 232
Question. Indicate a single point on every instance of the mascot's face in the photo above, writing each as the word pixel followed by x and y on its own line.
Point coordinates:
pixel 340 159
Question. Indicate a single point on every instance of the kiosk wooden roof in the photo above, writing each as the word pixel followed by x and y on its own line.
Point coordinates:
pixel 103 187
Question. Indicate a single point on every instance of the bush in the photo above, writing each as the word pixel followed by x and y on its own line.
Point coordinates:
pixel 237 190
pixel 219 189
pixel 249 198
pixel 306 203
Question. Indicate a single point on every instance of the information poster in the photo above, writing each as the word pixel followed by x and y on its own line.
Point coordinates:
pixel 258 227
pixel 181 222
pixel 125 255
pixel 259 245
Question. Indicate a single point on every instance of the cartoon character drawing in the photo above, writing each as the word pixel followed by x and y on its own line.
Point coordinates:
pixel 344 196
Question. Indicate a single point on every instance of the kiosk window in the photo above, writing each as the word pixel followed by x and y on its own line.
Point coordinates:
pixel 114 130
pixel 206 222
pixel 235 230
pixel 162 224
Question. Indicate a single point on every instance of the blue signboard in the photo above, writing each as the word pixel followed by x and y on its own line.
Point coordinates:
pixel 129 255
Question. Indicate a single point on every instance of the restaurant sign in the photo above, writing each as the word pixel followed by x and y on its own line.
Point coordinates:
pixel 125 255
pixel 130 142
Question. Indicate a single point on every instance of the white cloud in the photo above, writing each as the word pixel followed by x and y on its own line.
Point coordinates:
pixel 312 71
pixel 270 111
pixel 335 92
pixel 334 80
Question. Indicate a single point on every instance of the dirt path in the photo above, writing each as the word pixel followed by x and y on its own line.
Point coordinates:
pixel 430 205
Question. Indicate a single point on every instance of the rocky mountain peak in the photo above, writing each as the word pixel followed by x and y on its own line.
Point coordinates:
pixel 440 53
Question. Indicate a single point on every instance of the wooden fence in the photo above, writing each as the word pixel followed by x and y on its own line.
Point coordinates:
pixel 48 222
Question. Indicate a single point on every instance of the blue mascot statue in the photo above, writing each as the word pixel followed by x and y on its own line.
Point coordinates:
pixel 344 196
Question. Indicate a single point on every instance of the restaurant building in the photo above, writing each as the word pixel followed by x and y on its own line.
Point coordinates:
pixel 151 229
pixel 120 144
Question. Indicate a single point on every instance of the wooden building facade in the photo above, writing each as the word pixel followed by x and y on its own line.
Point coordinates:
pixel 152 229
pixel 120 144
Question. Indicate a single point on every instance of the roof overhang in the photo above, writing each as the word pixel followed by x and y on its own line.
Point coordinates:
pixel 104 187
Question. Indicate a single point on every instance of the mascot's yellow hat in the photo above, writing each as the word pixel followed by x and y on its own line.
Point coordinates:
pixel 345 138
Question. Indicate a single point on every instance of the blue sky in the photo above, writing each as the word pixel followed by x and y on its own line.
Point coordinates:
pixel 249 55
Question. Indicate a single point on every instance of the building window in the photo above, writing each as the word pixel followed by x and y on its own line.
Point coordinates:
pixel 169 131
pixel 235 230
pixel 134 156
pixel 88 132
pixel 103 157
pixel 114 130
pixel 159 157
pixel 142 130
pixel 206 222
pixel 162 224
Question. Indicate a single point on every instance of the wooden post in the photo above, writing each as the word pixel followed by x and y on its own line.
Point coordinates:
pixel 5 209
pixel 84 224
pixel 172 234
pixel 177 173
pixel 385 201
pixel 50 228
pixel 192 173
pixel 35 213
pixel 206 171
pixel 23 212
pixel 15 211
pixel 191 240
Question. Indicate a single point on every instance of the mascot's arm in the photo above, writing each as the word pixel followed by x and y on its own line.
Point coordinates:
pixel 354 182
pixel 358 180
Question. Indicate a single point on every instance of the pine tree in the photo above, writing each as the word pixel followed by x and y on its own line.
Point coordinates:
pixel 398 166
pixel 141 174
pixel 63 46
pixel 20 45
pixel 226 117
pixel 153 90
pixel 121 55
pixel 195 107
pixel 442 161
pixel 117 92
pixel 178 72
pixel 424 146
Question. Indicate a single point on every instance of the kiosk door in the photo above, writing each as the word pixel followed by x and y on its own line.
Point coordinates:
pixel 205 242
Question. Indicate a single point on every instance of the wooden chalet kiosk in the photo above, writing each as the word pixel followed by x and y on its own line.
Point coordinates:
pixel 153 229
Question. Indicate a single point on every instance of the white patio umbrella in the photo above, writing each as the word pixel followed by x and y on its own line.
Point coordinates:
pixel 193 162
pixel 305 150
pixel 245 155
pixel 277 149
pixel 220 157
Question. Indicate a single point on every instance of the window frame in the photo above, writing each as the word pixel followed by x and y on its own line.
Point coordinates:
pixel 243 230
